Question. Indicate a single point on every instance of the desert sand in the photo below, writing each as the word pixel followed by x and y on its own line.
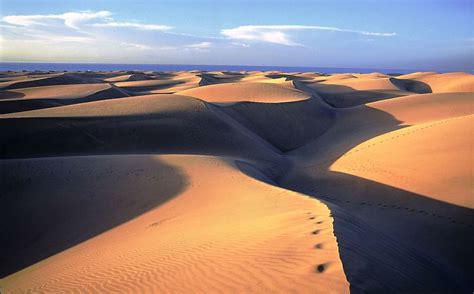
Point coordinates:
pixel 236 182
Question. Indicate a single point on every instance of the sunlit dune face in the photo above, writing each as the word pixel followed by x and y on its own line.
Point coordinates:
pixel 440 169
pixel 230 234
pixel 256 92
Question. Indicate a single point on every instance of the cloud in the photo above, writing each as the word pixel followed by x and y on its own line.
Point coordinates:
pixel 70 19
pixel 151 27
pixel 136 46
pixel 74 19
pixel 202 45
pixel 278 34
pixel 241 44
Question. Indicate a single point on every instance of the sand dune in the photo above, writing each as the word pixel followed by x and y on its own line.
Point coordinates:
pixel 142 124
pixel 255 92
pixel 448 82
pixel 285 125
pixel 157 86
pixel 129 77
pixel 247 181
pixel 211 78
pixel 406 158
pixel 190 243
pixel 48 80
pixel 50 96
pixel 351 91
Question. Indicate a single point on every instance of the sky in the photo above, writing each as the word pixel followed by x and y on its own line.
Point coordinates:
pixel 398 34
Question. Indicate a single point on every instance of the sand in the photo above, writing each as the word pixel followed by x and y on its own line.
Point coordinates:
pixel 248 182
pixel 255 92
pixel 237 235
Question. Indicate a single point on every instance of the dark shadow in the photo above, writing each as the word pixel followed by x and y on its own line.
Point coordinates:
pixel 390 240
pixel 50 205
pixel 10 95
pixel 412 85
pixel 288 77
pixel 19 105
pixel 139 89
pixel 212 79
pixel 55 79
pixel 286 125
pixel 341 96
pixel 164 75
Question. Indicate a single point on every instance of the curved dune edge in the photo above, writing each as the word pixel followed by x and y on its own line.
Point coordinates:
pixel 61 91
pixel 54 96
pixel 402 166
pixel 236 234
pixel 430 165
pixel 255 92
pixel 443 83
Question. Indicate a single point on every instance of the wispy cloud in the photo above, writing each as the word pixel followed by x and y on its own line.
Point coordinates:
pixel 75 27
pixel 70 19
pixel 136 46
pixel 75 19
pixel 278 34
pixel 151 27
pixel 202 45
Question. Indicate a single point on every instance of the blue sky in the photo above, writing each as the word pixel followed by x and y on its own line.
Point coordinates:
pixel 367 34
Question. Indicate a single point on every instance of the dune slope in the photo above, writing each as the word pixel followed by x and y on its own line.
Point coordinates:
pixel 255 92
pixel 190 243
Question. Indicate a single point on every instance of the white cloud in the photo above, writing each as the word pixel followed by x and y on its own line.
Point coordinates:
pixel 67 39
pixel 151 27
pixel 74 19
pixel 70 19
pixel 136 46
pixel 241 44
pixel 278 34
pixel 202 45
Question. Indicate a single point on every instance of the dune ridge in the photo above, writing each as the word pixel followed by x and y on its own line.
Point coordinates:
pixel 236 182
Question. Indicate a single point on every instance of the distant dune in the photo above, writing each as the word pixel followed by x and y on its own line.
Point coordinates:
pixel 248 182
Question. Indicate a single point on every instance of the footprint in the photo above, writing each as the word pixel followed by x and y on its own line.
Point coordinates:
pixel 319 246
pixel 315 232
pixel 320 222
pixel 320 268
pixel 312 217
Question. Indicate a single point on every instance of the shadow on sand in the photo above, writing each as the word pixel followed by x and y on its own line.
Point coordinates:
pixel 390 240
pixel 49 205
pixel 342 96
